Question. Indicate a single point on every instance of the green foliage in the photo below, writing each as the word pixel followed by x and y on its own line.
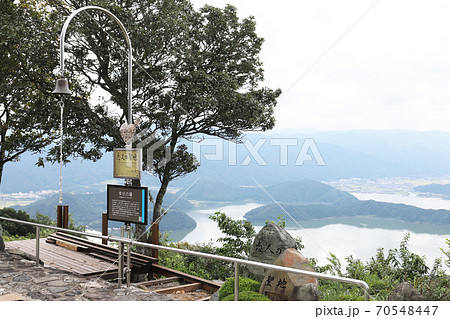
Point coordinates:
pixel 16 231
pixel 281 221
pixel 245 284
pixel 239 235
pixel 13 238
pixel 407 264
pixel 199 73
pixel 382 273
pixel 29 115
pixel 247 296
pixel 447 252
pixel 238 238
pixel 45 220
pixel 435 287
pixel 202 267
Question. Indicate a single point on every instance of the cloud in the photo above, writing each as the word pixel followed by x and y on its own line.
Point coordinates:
pixel 389 70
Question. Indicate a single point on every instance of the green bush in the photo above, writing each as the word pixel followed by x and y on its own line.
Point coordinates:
pixel 247 296
pixel 15 229
pixel 245 284
pixel 198 266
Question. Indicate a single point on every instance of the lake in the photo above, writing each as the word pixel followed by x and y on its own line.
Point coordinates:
pixel 345 236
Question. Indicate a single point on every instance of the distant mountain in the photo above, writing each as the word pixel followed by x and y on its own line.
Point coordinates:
pixel 347 154
pixel 268 159
pixel 305 191
pixel 177 220
pixel 87 209
pixel 438 189
pixel 370 208
pixel 215 191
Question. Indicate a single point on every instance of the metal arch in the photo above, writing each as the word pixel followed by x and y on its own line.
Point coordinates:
pixel 127 38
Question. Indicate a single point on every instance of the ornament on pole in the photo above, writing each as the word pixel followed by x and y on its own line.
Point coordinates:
pixel 128 131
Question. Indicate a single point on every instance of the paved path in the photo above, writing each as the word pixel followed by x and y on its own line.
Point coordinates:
pixel 20 279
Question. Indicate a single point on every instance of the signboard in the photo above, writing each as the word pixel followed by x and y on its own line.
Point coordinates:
pixel 127 163
pixel 127 204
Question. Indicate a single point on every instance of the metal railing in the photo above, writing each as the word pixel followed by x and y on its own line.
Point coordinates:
pixel 235 261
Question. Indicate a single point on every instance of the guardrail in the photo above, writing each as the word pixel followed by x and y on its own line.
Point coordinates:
pixel 235 261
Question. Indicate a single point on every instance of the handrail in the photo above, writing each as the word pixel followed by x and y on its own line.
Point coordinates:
pixel 236 261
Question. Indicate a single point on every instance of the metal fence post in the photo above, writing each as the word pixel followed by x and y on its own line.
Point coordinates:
pixel 128 227
pixel 236 281
pixel 120 270
pixel 121 241
pixel 37 245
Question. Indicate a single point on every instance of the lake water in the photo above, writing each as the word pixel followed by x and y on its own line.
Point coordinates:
pixel 337 236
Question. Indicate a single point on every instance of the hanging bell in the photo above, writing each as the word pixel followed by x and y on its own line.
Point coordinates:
pixel 62 87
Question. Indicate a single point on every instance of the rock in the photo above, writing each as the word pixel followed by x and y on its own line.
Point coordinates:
pixel 405 292
pixel 214 296
pixel 22 278
pixel 44 279
pixel 27 256
pixel 37 295
pixel 308 292
pixel 56 290
pixel 268 245
pixel 57 283
pixel 280 285
pixel 2 243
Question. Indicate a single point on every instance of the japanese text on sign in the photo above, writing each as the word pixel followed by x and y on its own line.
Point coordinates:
pixel 127 163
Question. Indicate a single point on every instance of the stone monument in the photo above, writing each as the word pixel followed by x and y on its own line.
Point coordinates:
pixel 280 285
pixel 267 246
pixel 405 292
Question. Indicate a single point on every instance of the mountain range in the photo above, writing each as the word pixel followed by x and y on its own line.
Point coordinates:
pixel 87 209
pixel 266 159
pixel 303 200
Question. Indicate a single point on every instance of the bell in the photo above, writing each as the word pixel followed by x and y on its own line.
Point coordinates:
pixel 62 87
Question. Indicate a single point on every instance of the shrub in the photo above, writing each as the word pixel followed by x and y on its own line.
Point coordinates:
pixel 247 296
pixel 14 229
pixel 245 284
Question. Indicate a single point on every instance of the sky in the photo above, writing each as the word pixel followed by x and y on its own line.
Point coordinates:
pixel 354 64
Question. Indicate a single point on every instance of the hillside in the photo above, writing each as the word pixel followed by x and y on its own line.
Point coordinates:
pixel 438 189
pixel 87 209
pixel 177 220
pixel 305 191
pixel 369 208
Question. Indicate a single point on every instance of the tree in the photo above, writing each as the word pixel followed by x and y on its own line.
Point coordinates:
pixel 447 252
pixel 29 113
pixel 24 69
pixel 197 73
pixel 239 235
